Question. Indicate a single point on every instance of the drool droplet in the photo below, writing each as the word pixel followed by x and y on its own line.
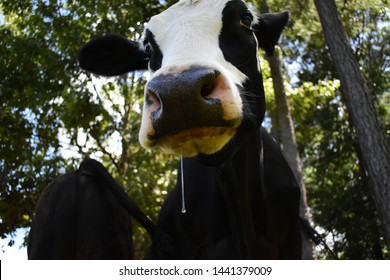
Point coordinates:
pixel 183 203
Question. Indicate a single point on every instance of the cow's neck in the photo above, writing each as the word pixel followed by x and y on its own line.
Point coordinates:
pixel 243 187
pixel 242 190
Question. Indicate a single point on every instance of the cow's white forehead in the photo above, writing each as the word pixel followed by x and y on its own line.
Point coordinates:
pixel 215 5
pixel 188 32
pixel 188 16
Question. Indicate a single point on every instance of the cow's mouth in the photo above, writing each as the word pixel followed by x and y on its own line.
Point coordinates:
pixel 192 142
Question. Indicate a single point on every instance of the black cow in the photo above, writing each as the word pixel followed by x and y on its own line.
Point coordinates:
pixel 85 214
pixel 205 100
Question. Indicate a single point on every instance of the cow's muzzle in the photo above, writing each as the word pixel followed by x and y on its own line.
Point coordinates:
pixel 190 110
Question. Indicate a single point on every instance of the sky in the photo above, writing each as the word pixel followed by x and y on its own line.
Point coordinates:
pixel 16 252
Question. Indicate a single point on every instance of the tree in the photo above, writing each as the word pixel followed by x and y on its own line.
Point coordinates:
pixel 339 199
pixel 374 145
pixel 335 179
pixel 49 106
pixel 289 144
pixel 287 135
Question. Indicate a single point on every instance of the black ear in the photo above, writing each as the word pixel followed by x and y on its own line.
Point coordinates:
pixel 268 30
pixel 112 55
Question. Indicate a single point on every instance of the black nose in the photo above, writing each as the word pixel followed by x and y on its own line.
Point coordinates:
pixel 181 100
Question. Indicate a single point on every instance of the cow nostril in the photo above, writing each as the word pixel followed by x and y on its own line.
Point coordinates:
pixel 152 101
pixel 209 85
pixel 207 89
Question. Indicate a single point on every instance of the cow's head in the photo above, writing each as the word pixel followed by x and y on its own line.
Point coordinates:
pixel 205 88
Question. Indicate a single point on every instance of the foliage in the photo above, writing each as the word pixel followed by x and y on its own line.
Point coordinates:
pixel 336 181
pixel 337 187
pixel 52 114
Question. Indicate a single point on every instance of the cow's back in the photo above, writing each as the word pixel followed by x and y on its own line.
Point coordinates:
pixel 78 218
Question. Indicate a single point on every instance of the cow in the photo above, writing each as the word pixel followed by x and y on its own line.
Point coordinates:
pixel 85 214
pixel 205 101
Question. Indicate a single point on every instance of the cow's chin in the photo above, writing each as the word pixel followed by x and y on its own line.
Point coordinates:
pixel 196 141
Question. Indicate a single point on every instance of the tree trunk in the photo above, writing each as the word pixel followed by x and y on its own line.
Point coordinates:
pixel 290 147
pixel 126 125
pixel 373 142
pixel 287 133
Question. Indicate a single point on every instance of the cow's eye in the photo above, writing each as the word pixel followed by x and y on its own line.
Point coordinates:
pixel 246 21
pixel 147 48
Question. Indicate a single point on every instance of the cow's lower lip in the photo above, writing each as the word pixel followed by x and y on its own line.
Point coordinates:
pixel 191 142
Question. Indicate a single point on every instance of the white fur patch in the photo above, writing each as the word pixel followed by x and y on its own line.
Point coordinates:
pixel 188 33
